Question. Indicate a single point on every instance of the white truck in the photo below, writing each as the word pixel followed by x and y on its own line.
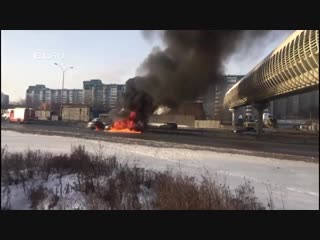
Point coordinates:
pixel 20 115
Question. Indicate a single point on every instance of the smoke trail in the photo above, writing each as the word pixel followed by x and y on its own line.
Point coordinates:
pixel 191 61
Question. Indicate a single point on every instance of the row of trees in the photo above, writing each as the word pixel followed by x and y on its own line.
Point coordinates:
pixel 18 103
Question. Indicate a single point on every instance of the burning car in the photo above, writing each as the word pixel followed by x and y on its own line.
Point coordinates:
pixel 126 122
pixel 97 124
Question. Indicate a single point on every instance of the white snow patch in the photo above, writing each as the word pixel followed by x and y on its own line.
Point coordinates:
pixel 68 198
pixel 294 184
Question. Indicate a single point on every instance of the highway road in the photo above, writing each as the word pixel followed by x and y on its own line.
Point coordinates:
pixel 293 147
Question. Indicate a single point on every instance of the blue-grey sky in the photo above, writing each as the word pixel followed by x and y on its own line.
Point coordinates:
pixel 28 57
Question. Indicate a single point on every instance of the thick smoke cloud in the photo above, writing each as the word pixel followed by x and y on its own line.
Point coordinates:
pixel 191 61
pixel 252 52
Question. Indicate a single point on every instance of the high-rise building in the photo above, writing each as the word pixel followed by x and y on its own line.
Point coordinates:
pixel 102 96
pixel 92 92
pixel 4 100
pixel 35 95
pixel 38 94
pixel 113 93
pixel 213 99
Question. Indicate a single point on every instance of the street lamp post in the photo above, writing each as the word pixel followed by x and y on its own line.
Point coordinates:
pixel 63 71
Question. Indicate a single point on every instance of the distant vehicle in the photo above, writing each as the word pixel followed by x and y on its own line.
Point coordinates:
pixel 20 115
pixel 265 116
pixel 245 129
pixel 240 121
pixel 96 123
pixel 171 126
pixel 271 122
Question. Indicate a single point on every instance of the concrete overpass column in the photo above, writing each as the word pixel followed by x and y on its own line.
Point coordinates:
pixel 233 117
pixel 260 107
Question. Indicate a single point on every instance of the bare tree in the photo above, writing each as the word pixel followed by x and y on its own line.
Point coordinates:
pixel 19 103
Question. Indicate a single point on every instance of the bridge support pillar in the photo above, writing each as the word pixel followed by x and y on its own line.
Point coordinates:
pixel 232 110
pixel 260 107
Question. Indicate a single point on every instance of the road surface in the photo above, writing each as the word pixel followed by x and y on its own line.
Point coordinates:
pixel 293 147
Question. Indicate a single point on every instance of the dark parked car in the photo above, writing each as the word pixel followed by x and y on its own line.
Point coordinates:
pixel 171 126
pixel 246 129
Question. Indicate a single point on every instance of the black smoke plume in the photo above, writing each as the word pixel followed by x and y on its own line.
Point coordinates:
pixel 191 61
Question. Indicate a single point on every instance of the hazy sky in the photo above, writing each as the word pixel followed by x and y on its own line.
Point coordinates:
pixel 28 57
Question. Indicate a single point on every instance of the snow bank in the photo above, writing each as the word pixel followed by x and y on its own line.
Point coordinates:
pixel 293 184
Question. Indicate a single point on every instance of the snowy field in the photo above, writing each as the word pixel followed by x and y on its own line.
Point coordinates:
pixel 292 184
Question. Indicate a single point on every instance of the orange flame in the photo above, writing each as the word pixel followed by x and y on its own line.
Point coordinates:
pixel 125 125
pixel 124 130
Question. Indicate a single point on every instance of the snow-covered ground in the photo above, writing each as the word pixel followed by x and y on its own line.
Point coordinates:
pixel 293 184
pixel 68 200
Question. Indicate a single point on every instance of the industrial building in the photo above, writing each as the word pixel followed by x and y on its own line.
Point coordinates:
pixel 296 107
pixel 208 110
pixel 299 106
pixel 190 108
pixel 78 112
pixel 183 115
pixel 103 97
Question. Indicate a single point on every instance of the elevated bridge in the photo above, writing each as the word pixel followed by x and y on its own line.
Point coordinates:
pixel 293 67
